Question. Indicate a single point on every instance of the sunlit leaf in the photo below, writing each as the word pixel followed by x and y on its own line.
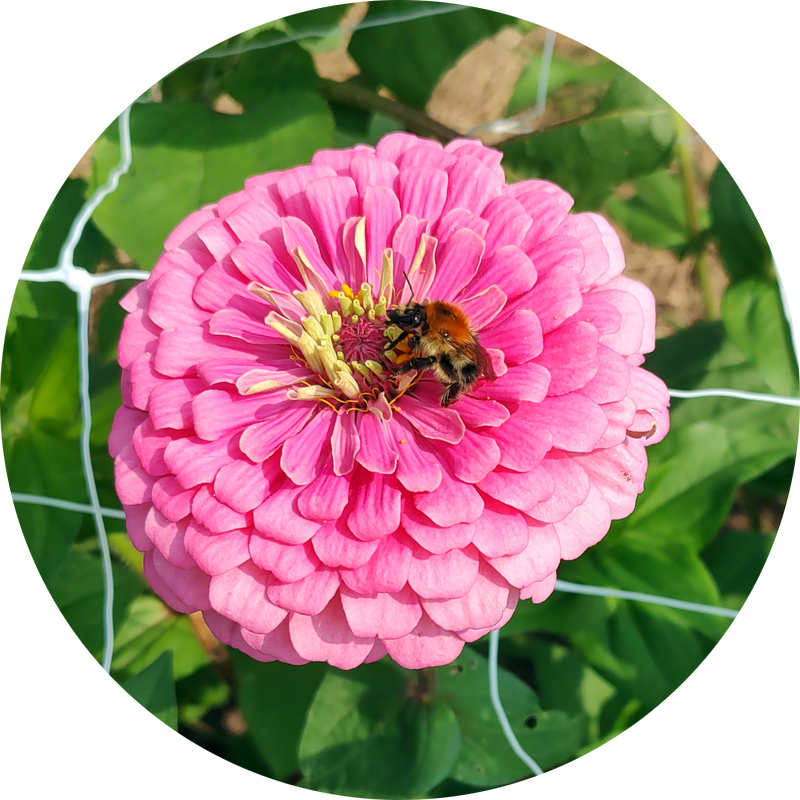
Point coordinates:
pixel 154 688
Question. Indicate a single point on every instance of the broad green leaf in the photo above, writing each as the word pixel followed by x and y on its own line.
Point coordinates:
pixel 486 758
pixel 656 214
pixel 647 655
pixel 756 323
pixel 366 735
pixel 185 156
pixel 410 57
pixel 736 559
pixel 53 231
pixel 78 591
pixel 694 471
pixel 154 688
pixel 200 693
pixel 562 73
pixel 318 28
pixel 42 464
pixel 151 629
pixel 742 245
pixel 629 134
pixel 49 534
pixel 256 74
pixel 560 613
pixel 664 566
pixel 274 699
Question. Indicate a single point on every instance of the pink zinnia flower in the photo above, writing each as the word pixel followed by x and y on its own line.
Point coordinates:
pixel 281 474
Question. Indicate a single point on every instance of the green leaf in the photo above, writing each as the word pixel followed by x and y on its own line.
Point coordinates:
pixel 154 688
pixel 200 693
pixel 560 613
pixel 754 318
pixel 185 156
pixel 313 27
pixel 486 758
pixel 52 233
pixel 656 214
pixel 151 629
pixel 78 591
pixel 367 736
pixel 742 245
pixel 255 75
pixel 410 57
pixel 566 682
pixel 694 471
pixel 736 559
pixel 629 134
pixel 49 534
pixel 274 699
pixel 562 73
pixel 666 567
pixel 646 655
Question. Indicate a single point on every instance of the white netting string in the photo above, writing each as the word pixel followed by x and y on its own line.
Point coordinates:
pixel 80 281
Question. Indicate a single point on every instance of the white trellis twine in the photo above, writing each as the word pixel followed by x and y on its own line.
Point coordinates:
pixel 82 282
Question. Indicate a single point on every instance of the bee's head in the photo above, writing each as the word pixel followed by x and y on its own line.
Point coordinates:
pixel 410 316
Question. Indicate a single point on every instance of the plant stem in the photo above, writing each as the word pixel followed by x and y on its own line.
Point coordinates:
pixel 426 684
pixel 689 180
pixel 416 121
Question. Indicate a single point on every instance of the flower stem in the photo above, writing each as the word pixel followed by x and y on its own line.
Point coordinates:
pixel 416 121
pixel 689 180
pixel 426 684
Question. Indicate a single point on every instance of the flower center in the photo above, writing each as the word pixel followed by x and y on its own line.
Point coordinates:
pixel 342 340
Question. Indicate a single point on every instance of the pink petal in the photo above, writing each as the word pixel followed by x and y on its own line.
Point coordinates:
pixel 189 226
pixel 539 592
pixel 326 498
pixel 378 452
pixel 432 537
pixel 168 539
pixel 472 186
pixel 327 637
pixel 610 384
pixel 428 645
pixel 223 286
pixel 628 339
pixel 139 335
pixel 445 576
pixel 303 453
pixel 500 531
pixel 509 268
pixel 432 422
pixel 190 586
pixel 243 486
pixel 382 212
pixel 194 461
pixel 216 553
pixel 472 458
pixel 126 420
pixel 392 146
pixel 522 440
pixel 287 562
pixel 619 473
pixel 161 587
pixel 261 440
pixel 545 203
pixel 522 383
pixel 372 172
pixel 575 422
pixel 585 525
pixel 571 487
pixel 417 469
pixel 331 201
pixel 519 490
pixel 508 223
pixel 134 485
pixel 473 634
pixel 170 403
pixel 477 411
pixel 215 515
pixel 275 645
pixel 482 607
pixel 279 516
pixel 381 614
pixel 422 191
pixel 481 309
pixel 570 356
pixel 337 547
pixel 308 595
pixel 345 443
pixel 241 595
pixel 555 297
pixel 171 499
pixel 452 502
pixel 375 506
pixel 171 302
pixel 386 571
pixel 456 264
pixel 518 337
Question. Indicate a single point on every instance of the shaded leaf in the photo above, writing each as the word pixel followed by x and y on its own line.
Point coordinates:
pixel 154 688
pixel 742 245
pixel 486 758
pixel 736 559
pixel 365 735
pixel 274 699
pixel 629 134
pixel 410 57
pixel 199 693
pixel 185 156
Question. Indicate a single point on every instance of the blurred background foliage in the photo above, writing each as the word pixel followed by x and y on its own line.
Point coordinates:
pixel 575 670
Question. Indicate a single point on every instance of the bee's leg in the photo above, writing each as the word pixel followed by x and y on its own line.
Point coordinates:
pixel 450 394
pixel 418 362
pixel 399 339
pixel 422 362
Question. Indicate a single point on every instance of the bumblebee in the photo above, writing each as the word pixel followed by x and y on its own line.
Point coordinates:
pixel 440 338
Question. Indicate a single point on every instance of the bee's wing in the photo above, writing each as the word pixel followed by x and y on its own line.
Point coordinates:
pixel 484 361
